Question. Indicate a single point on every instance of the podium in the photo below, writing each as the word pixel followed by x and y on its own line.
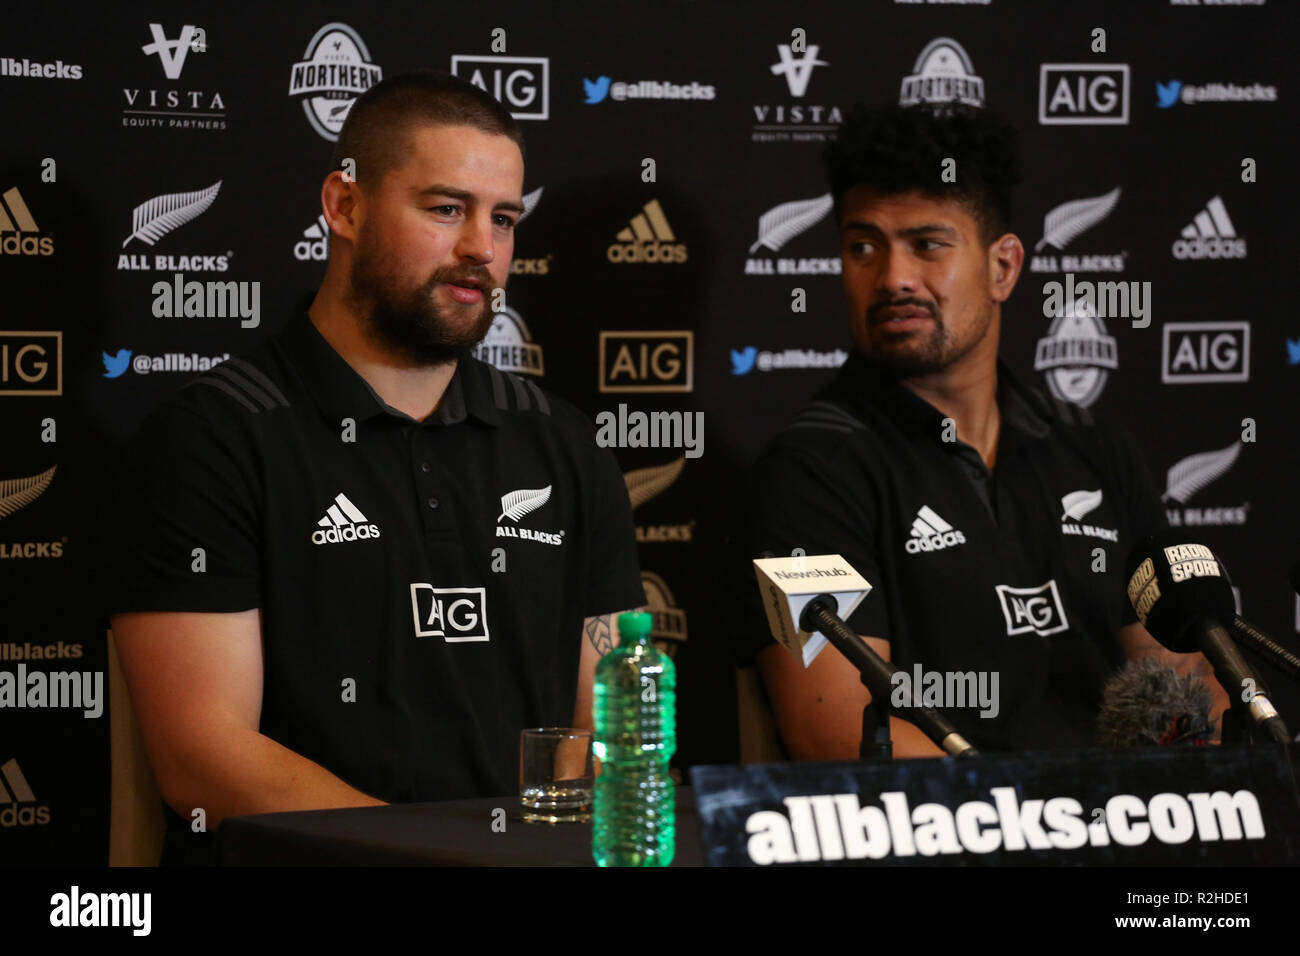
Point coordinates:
pixel 1210 806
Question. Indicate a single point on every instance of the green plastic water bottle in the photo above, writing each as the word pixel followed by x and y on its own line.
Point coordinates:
pixel 635 711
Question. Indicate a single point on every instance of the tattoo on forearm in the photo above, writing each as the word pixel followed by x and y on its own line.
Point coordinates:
pixel 599 634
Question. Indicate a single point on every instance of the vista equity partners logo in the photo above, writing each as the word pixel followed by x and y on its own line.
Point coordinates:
pixel 174 107
pixel 795 122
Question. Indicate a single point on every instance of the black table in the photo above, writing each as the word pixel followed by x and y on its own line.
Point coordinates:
pixel 451 833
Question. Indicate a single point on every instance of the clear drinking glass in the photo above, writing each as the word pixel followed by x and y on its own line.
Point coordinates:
pixel 555 775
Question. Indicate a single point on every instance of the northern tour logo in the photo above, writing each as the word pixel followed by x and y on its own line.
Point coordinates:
pixel 1195 352
pixel 647 238
pixel 1210 235
pixel 651 361
pixel 522 84
pixel 668 630
pixel 1032 610
pixel 1189 476
pixel 929 532
pixel 515 505
pixel 942 73
pixel 457 615
pixel 335 70
pixel 1066 223
pixel 174 107
pixel 155 218
pixel 343 521
pixel 778 226
pixel 18 804
pixel 31 363
pixel 795 122
pixel 643 484
pixel 1083 94
pixel 19 234
pixel 1076 356
pixel 1075 506
pixel 509 346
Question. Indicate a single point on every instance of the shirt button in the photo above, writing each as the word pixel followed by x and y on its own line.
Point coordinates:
pixel 424 467
pixel 433 502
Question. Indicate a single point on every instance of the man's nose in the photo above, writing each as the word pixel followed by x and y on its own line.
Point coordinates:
pixel 899 273
pixel 475 240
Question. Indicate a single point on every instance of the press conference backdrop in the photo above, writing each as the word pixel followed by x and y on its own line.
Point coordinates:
pixel 678 255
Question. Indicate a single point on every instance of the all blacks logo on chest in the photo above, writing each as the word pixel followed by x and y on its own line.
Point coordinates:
pixel 519 503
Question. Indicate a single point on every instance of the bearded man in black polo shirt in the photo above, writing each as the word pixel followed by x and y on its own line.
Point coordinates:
pixel 976 507
pixel 350 565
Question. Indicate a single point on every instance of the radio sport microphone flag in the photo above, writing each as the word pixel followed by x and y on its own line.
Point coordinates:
pixel 807 599
pixel 1180 594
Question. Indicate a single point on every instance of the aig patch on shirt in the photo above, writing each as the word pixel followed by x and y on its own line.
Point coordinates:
pixel 454 614
pixel 1037 610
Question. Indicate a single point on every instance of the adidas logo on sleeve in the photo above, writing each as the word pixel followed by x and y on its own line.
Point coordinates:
pixel 931 533
pixel 343 521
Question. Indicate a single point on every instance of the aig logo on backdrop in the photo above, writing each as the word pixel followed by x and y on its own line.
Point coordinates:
pixel 1083 94
pixel 456 615
pixel 522 84
pixel 1195 352
pixel 31 363
pixel 334 71
pixel 647 361
pixel 1032 610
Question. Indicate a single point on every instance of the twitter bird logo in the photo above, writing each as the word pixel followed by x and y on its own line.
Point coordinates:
pixel 597 89
pixel 115 365
pixel 1167 93
pixel 1293 352
pixel 743 362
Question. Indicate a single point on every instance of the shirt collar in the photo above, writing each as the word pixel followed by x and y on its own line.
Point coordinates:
pixel 1022 408
pixel 341 392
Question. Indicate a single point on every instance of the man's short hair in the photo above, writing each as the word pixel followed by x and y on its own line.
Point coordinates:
pixel 376 133
pixel 895 149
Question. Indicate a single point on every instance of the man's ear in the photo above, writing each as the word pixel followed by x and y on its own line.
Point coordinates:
pixel 341 202
pixel 1006 258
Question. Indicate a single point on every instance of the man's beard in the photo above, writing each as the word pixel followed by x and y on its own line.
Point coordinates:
pixel 413 325
pixel 936 352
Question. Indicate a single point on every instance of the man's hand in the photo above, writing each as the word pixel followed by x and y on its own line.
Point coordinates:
pixel 1138 643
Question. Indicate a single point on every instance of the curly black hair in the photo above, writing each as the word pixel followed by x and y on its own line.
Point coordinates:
pixel 895 149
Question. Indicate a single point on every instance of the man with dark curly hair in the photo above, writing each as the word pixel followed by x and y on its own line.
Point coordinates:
pixel 973 504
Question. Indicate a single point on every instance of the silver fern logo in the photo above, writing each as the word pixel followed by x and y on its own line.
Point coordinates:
pixel 644 484
pixel 16 493
pixel 1075 506
pixel 1189 476
pixel 1066 223
pixel 153 219
pixel 516 504
pixel 520 503
pixel 778 226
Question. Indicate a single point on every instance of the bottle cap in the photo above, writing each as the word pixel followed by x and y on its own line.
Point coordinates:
pixel 634 626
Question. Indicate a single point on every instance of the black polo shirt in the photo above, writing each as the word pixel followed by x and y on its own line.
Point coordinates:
pixel 422 584
pixel 972 570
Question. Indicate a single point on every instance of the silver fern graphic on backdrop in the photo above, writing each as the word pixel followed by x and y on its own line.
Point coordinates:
pixel 516 504
pixel 153 219
pixel 530 203
pixel 782 223
pixel 1067 221
pixel 1064 224
pixel 646 483
pixel 16 493
pixel 1189 476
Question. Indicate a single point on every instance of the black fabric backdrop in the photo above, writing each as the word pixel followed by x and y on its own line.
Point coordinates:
pixel 81 152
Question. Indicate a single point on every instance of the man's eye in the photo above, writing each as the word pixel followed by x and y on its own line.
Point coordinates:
pixel 929 245
pixel 445 210
pixel 505 222
pixel 860 248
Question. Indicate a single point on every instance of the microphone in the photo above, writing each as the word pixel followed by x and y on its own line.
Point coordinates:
pixel 1253 639
pixel 804 616
pixel 1147 704
pixel 1178 590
